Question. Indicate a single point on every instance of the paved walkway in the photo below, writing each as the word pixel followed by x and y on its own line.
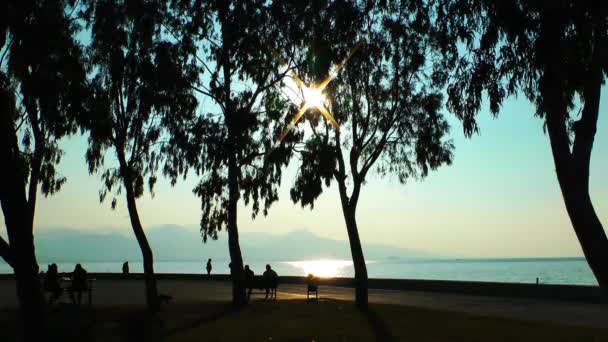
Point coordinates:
pixel 131 292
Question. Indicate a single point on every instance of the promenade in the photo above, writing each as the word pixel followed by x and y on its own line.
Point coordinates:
pixel 131 293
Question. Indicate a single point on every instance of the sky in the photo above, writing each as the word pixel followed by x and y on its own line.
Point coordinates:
pixel 500 197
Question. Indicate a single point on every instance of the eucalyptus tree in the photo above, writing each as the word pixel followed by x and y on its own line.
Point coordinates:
pixel 42 95
pixel 235 40
pixel 556 54
pixel 143 104
pixel 387 101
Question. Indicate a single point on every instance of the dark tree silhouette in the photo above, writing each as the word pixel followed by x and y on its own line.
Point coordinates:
pixel 556 54
pixel 387 101
pixel 241 75
pixel 142 85
pixel 42 92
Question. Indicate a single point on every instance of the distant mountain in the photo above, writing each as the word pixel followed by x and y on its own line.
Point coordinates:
pixel 171 242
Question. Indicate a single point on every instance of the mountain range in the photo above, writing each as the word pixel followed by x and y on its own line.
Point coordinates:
pixel 173 243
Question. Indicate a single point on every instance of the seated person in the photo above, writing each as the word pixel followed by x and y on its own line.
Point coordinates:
pixel 51 282
pixel 249 277
pixel 312 283
pixel 79 282
pixel 271 280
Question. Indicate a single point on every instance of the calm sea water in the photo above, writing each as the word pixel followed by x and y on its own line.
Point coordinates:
pixel 550 271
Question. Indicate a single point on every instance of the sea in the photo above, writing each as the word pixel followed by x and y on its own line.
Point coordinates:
pixel 517 270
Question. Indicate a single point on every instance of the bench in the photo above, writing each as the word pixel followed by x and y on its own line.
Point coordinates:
pixel 260 283
pixel 65 285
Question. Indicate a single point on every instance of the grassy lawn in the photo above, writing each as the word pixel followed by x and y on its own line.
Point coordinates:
pixel 292 320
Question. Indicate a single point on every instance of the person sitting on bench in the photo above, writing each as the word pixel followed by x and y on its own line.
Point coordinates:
pixel 312 286
pixel 271 280
pixel 51 283
pixel 79 283
pixel 249 280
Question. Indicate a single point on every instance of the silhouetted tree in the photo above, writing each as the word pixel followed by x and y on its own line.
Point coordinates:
pixel 234 39
pixel 387 101
pixel 556 54
pixel 42 90
pixel 143 103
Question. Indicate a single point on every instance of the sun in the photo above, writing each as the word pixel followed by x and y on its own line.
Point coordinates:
pixel 313 97
pixel 323 268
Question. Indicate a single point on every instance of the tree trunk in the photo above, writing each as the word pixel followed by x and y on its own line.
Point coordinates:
pixel 572 167
pixel 356 251
pixel 587 226
pixel 239 297
pixel 573 176
pixel 29 289
pixel 148 258
pixel 19 226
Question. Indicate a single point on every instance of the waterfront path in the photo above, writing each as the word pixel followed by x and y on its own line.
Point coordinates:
pixel 131 292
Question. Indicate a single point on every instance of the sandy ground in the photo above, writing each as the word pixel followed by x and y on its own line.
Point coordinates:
pixel 131 292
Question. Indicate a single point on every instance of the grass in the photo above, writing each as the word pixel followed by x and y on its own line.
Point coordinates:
pixel 290 320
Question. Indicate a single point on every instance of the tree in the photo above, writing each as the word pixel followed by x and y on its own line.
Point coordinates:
pixel 143 105
pixel 556 54
pixel 234 38
pixel 387 101
pixel 42 94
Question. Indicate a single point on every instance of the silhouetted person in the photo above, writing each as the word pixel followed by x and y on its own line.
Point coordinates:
pixel 312 286
pixel 249 276
pixel 79 283
pixel 271 279
pixel 209 267
pixel 125 269
pixel 51 282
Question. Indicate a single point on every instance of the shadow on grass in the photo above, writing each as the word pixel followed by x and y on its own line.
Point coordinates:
pixel 379 328
pixel 226 311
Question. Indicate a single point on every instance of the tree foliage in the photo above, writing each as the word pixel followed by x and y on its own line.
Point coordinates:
pixel 235 41
pixel 42 66
pixel 508 51
pixel 388 102
pixel 144 103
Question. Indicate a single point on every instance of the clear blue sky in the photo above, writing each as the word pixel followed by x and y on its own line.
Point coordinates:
pixel 500 198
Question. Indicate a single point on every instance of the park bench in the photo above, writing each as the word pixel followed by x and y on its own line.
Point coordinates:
pixel 260 283
pixel 66 282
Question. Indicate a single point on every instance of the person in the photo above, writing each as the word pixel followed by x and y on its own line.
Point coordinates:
pixel 312 285
pixel 270 279
pixel 125 269
pixel 209 267
pixel 249 276
pixel 79 283
pixel 51 283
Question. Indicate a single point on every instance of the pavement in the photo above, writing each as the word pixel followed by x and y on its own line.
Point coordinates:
pixel 131 293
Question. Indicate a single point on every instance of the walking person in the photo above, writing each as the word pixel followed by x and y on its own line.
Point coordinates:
pixel 209 267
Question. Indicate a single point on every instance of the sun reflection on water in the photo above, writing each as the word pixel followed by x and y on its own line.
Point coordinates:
pixel 323 268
